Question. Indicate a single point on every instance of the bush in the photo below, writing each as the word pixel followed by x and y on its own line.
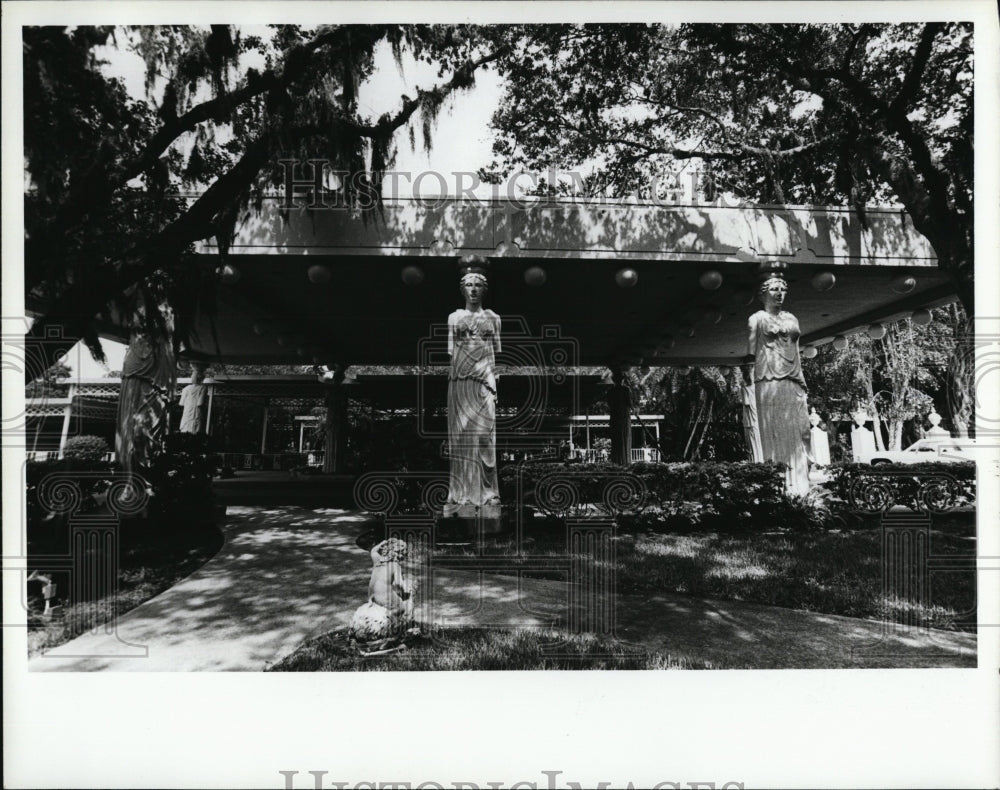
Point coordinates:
pixel 934 485
pixel 48 533
pixel 656 495
pixel 86 448
pixel 181 482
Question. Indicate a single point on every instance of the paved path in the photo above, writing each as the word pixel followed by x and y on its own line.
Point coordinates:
pixel 288 573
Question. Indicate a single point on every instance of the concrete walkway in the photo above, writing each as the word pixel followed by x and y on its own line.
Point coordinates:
pixel 288 573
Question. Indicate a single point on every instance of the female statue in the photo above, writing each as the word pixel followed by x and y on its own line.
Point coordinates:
pixel 779 385
pixel 194 402
pixel 148 377
pixel 473 342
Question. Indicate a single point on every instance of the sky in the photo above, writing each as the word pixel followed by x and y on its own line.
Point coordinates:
pixel 463 146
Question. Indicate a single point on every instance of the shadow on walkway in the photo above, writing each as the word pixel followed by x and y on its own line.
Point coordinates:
pixel 288 573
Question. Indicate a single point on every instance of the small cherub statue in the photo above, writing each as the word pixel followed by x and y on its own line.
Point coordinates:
pixel 388 614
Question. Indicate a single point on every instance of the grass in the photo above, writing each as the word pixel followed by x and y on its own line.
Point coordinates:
pixel 149 564
pixel 830 572
pixel 482 649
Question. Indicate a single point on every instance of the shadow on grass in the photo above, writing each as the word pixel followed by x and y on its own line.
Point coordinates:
pixel 149 563
pixel 828 572
pixel 483 649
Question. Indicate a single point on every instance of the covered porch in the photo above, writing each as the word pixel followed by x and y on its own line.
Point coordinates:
pixel 576 284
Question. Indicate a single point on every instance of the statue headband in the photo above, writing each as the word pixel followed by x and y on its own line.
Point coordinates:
pixel 772 280
pixel 472 277
pixel 473 270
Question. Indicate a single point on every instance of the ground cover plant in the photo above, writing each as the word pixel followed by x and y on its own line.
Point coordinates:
pixel 728 531
pixel 148 565
pixel 830 572
pixel 169 539
pixel 834 572
pixel 482 649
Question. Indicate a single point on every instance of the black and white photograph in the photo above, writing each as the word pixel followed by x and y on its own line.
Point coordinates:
pixel 630 369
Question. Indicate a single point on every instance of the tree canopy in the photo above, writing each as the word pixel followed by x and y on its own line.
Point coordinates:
pixel 121 186
pixel 814 114
pixel 105 209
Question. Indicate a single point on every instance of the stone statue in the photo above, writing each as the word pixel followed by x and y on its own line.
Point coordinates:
pixel 820 441
pixel 194 402
pixel 862 440
pixel 779 385
pixel 751 424
pixel 389 610
pixel 148 379
pixel 473 342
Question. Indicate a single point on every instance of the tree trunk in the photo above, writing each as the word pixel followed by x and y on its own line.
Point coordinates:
pixel 961 378
pixel 896 435
pixel 620 407
pixel 704 432
pixel 877 430
pixel 335 444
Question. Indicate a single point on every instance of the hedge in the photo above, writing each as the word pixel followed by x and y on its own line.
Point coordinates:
pixel 86 448
pixel 653 495
pixel 47 534
pixel 935 486
pixel 180 487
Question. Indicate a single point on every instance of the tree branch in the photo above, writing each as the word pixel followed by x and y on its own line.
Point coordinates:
pixel 911 83
pixel 76 306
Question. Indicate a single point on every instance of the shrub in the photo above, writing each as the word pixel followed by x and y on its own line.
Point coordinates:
pixel 938 485
pixel 654 495
pixel 181 482
pixel 86 448
pixel 47 533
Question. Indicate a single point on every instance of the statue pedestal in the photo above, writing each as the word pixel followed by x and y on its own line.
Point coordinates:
pixel 467 522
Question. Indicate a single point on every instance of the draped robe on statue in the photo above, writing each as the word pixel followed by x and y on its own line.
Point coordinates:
pixel 193 399
pixel 781 395
pixel 473 341
pixel 148 377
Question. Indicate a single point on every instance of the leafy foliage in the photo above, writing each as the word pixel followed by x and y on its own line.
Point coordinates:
pixel 675 496
pixel 104 211
pixel 897 378
pixel 181 481
pixel 48 533
pixel 86 448
pixel 822 114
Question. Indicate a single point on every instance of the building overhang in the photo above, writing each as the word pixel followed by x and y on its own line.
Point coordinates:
pixel 327 285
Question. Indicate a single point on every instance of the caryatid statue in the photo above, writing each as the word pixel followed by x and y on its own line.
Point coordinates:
pixel 194 402
pixel 473 342
pixel 148 377
pixel 779 385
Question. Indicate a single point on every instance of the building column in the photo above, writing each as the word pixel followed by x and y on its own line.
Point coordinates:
pixel 208 416
pixel 263 430
pixel 620 413
pixel 67 416
pixel 335 450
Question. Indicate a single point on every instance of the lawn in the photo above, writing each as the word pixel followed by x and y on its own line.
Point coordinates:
pixel 481 649
pixel 831 572
pixel 148 565
pixel 828 572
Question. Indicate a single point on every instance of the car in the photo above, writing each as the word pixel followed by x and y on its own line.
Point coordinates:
pixel 923 451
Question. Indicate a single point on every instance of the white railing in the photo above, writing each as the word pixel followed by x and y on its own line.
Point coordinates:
pixel 41 455
pixel 53 455
pixel 271 461
pixel 604 456
pixel 651 454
